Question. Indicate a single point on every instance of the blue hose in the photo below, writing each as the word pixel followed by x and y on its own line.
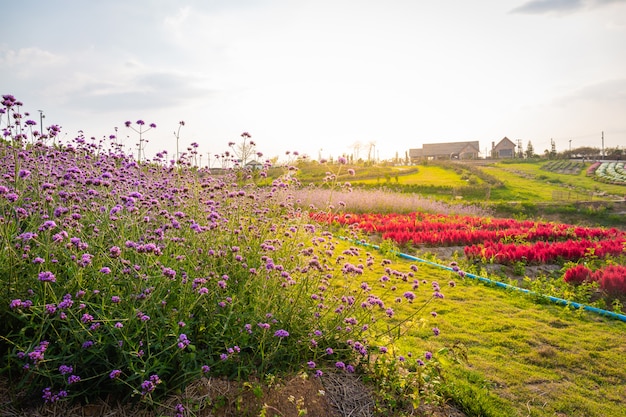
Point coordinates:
pixel 555 300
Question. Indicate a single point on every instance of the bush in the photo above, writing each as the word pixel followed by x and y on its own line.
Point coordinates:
pixel 578 274
pixel 612 279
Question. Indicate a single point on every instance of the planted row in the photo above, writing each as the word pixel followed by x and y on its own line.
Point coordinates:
pixel 611 172
pixel 454 230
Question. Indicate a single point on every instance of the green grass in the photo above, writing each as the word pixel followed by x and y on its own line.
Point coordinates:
pixel 579 181
pixel 426 175
pixel 525 358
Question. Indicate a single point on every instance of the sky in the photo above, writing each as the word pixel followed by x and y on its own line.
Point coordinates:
pixel 321 77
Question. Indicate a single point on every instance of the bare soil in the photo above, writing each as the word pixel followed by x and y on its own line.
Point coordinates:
pixel 332 395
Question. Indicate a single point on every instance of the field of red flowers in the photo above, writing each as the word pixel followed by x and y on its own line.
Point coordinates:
pixel 503 241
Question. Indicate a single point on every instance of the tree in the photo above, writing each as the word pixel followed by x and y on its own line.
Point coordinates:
pixel 371 145
pixel 552 154
pixel 356 148
pixel 530 151
pixel 244 150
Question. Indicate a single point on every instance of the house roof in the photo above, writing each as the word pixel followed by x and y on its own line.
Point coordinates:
pixel 505 143
pixel 438 149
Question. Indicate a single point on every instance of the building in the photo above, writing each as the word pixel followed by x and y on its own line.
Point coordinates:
pixel 449 150
pixel 504 149
pixel 254 165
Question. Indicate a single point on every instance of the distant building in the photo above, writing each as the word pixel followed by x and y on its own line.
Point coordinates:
pixel 254 165
pixel 504 149
pixel 449 150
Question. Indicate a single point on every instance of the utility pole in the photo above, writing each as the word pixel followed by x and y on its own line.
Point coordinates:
pixel 570 148
pixel 603 144
pixel 41 116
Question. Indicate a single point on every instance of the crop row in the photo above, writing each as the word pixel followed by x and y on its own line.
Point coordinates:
pixel 563 166
pixel 610 172
pixel 454 230
pixel 504 241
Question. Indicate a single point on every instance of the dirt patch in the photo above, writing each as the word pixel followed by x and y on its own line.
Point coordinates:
pixel 333 395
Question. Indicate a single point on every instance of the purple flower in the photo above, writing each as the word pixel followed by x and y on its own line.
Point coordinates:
pixel 311 364
pixel 340 365
pixel 206 369
pixel 428 355
pixel 47 276
pixel 281 333
pixel 115 252
pixel 169 273
pixel 72 379
pixel 435 331
pixel 65 369
pixel 105 270
pixel 409 296
pixel 115 373
pixel 183 342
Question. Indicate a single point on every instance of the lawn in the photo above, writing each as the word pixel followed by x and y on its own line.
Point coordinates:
pixel 426 175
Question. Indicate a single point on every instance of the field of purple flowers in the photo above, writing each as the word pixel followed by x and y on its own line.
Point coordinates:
pixel 134 278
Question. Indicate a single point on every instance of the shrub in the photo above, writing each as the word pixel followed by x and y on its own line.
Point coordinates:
pixel 612 279
pixel 578 275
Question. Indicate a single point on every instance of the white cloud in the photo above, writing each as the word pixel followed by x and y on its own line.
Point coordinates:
pixel 28 61
pixel 562 7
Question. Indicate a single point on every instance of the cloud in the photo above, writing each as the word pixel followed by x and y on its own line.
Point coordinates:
pixel 561 7
pixel 603 92
pixel 24 62
pixel 147 90
pixel 549 6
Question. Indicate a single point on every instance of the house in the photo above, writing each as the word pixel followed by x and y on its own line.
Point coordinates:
pixel 254 165
pixel 449 150
pixel 504 149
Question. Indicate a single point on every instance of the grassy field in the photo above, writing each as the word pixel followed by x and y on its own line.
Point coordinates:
pixel 523 178
pixel 525 357
pixel 425 175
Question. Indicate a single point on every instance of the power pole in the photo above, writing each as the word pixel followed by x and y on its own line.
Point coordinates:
pixel 603 144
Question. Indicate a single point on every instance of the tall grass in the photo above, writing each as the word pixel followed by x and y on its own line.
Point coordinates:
pixel 378 201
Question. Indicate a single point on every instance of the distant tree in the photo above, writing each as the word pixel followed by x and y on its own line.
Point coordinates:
pixel 356 149
pixel 530 151
pixel 244 150
pixel 371 145
pixel 614 153
pixel 552 154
